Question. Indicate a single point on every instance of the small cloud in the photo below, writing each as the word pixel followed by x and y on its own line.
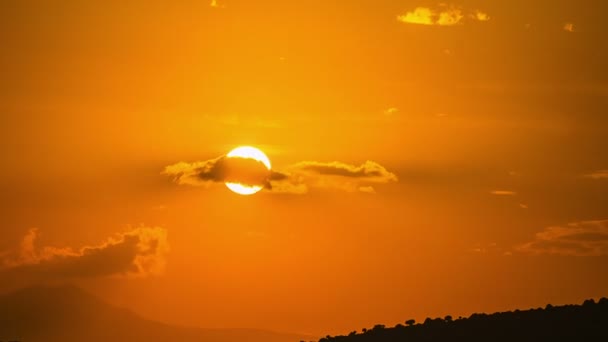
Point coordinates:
pixel 441 115
pixel 449 17
pixel 584 238
pixel 523 206
pixel 216 4
pixel 391 111
pixel 503 193
pixel 420 16
pixel 486 248
pixel 600 174
pixel 569 27
pixel 480 16
pixel 443 15
pixel 367 189
pixel 139 252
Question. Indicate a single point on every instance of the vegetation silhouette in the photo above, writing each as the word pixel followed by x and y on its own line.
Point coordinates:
pixel 586 322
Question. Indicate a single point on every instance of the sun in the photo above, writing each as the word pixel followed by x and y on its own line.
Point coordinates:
pixel 251 153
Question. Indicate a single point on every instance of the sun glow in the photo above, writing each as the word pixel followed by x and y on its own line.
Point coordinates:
pixel 252 153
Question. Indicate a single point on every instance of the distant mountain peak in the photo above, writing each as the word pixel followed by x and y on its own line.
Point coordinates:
pixel 67 313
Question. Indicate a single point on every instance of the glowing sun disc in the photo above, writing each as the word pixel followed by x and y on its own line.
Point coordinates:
pixel 252 153
pixel 243 189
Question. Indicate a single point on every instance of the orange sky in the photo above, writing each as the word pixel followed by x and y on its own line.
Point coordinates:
pixel 491 116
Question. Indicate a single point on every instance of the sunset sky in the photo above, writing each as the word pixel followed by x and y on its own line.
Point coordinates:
pixel 428 157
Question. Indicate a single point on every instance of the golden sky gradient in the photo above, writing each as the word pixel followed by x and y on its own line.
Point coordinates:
pixel 431 158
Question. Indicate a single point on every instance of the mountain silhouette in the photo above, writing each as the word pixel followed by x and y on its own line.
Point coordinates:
pixel 586 322
pixel 69 314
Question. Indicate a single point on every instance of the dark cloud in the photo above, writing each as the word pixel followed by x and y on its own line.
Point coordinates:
pixel 245 171
pixel 585 238
pixel 139 252
pixel 298 178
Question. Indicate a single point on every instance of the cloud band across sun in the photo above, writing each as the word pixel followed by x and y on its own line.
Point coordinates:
pixel 298 178
pixel 245 171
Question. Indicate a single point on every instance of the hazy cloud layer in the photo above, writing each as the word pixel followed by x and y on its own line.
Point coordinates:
pixel 297 179
pixel 585 238
pixel 139 252
pixel 443 15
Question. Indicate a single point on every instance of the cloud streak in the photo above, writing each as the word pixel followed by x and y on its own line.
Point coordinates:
pixel 299 178
pixel 584 238
pixel 503 193
pixel 599 174
pixel 139 252
pixel 443 15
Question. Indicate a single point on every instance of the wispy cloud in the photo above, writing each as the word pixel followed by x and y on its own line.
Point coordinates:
pixel 569 27
pixel 216 4
pixel 485 248
pixel 480 16
pixel 336 175
pixel 139 252
pixel 599 174
pixel 442 15
pixel 420 15
pixel 503 193
pixel 298 178
pixel 584 238
pixel 391 111
pixel 449 17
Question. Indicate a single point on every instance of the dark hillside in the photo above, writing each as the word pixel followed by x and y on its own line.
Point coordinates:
pixel 69 314
pixel 586 322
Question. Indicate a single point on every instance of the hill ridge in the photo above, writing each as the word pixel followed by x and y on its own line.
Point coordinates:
pixel 585 322
pixel 67 313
